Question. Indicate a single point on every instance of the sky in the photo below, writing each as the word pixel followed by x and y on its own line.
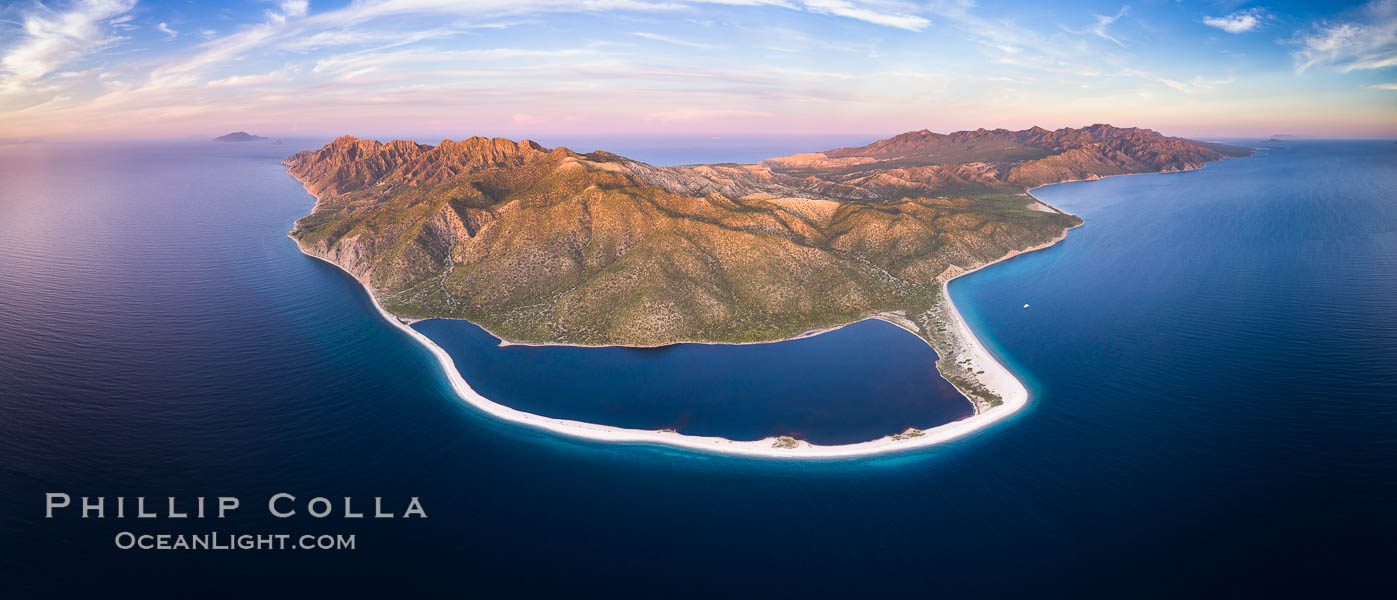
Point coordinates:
pixel 77 69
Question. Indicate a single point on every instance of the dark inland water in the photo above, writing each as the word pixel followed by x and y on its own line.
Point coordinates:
pixel 1212 361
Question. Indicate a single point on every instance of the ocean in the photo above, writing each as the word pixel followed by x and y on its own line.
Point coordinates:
pixel 1212 362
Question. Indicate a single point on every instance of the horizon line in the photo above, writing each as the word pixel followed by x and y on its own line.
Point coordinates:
pixel 603 135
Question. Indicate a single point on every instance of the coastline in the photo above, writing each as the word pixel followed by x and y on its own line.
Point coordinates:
pixel 996 377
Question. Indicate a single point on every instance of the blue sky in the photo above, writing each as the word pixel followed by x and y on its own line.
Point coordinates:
pixel 113 68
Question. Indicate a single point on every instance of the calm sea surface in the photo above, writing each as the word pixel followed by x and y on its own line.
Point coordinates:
pixel 1212 358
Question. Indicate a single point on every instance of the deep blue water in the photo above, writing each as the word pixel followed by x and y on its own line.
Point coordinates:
pixel 1213 362
pixel 854 384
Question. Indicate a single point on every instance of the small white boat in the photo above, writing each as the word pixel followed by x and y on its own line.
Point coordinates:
pixel 1025 306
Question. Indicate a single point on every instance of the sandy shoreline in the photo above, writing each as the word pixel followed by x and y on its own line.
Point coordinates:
pixel 996 377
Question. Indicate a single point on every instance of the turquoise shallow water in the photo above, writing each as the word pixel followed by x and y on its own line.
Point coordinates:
pixel 1212 358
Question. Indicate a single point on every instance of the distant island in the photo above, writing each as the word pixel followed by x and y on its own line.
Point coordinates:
pixel 550 246
pixel 238 136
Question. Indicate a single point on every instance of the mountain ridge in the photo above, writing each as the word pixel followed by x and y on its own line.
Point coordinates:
pixel 552 246
pixel 547 245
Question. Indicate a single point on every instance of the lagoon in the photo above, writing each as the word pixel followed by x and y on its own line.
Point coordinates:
pixel 854 384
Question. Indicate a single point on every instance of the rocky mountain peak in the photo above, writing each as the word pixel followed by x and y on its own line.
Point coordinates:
pixel 348 163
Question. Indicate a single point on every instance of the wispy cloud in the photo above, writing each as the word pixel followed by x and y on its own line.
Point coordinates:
pixel 790 41
pixel 349 37
pixel 281 75
pixel 1197 84
pixel 362 11
pixel 1012 44
pixel 1178 85
pixel 344 26
pixel 1368 41
pixel 671 40
pixel 213 52
pixel 888 13
pixel 355 64
pixel 878 13
pixel 1241 21
pixel 295 8
pixel 1103 22
pixel 1384 86
pixel 53 39
pixel 657 65
pixel 1202 83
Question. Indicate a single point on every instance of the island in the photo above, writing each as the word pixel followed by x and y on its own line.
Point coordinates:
pixel 552 246
pixel 239 136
